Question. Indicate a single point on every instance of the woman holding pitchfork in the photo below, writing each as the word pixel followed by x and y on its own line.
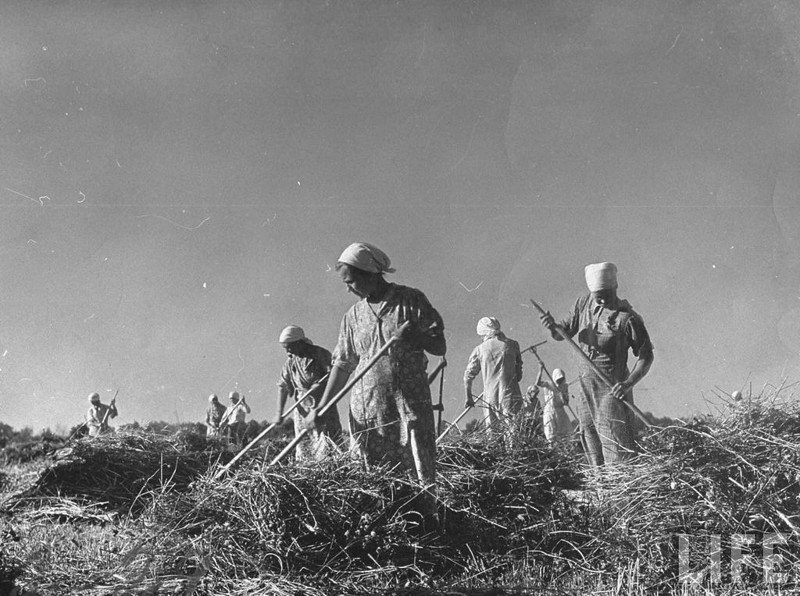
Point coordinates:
pixel 391 415
pixel 606 328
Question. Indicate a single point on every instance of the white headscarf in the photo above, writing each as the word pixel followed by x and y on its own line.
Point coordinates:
pixel 293 333
pixel 488 325
pixel 366 257
pixel 557 374
pixel 601 276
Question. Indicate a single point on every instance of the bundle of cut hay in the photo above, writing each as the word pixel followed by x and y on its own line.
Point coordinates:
pixel 120 471
pixel 338 521
pixel 703 483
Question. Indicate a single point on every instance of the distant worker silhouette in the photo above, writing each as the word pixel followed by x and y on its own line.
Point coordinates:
pixel 499 360
pixel 98 415
pixel 214 416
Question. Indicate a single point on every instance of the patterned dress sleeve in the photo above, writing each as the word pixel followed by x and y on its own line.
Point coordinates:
pixel 345 355
pixel 285 380
pixel 422 313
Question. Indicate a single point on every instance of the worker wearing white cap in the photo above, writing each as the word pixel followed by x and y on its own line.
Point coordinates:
pixel 499 360
pixel 304 371
pixel 98 415
pixel 391 413
pixel 214 415
pixel 234 417
pixel 554 397
pixel 606 327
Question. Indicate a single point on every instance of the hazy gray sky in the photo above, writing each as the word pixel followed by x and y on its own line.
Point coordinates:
pixel 177 180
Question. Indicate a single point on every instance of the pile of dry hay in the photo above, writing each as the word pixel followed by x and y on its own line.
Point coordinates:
pixel 341 523
pixel 118 472
pixel 717 477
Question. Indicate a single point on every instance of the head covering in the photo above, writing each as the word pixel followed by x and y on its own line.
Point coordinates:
pixel 234 395
pixel 557 374
pixel 94 397
pixel 601 276
pixel 212 398
pixel 487 325
pixel 293 333
pixel 366 257
pixel 737 396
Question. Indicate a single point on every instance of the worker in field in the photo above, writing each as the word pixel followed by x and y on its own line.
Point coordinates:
pixel 304 375
pixel 214 415
pixel 234 417
pixel 98 415
pixel 499 361
pixel 607 328
pixel 391 413
pixel 554 397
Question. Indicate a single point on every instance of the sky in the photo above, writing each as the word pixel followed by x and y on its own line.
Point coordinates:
pixel 177 180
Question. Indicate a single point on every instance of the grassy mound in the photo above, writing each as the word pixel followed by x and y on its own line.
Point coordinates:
pixel 706 483
pixel 339 523
pixel 120 471
pixel 530 516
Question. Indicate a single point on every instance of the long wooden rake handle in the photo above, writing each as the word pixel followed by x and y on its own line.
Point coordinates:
pixel 456 421
pixel 110 405
pixel 345 390
pixel 601 375
pixel 264 432
pixel 435 372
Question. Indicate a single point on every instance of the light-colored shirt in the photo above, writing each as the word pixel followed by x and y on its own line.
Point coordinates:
pixel 500 361
pixel 236 412
pixel 97 417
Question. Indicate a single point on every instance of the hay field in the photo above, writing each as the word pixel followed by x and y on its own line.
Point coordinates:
pixel 140 513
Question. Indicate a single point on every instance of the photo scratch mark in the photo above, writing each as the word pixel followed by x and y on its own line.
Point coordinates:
pixel 36 80
pixel 83 197
pixel 269 219
pixel 24 195
pixel 675 42
pixel 473 289
pixel 174 223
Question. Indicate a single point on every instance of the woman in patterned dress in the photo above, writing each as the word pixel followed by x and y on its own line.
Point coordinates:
pixel 302 375
pixel 391 415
